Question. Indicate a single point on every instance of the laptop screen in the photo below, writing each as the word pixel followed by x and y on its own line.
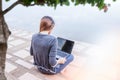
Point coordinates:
pixel 65 45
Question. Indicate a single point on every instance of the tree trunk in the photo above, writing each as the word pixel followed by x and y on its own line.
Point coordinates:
pixel 4 34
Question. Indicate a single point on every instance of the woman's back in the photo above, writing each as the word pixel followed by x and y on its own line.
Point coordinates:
pixel 41 46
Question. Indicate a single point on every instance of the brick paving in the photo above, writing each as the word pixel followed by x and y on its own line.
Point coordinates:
pixel 86 65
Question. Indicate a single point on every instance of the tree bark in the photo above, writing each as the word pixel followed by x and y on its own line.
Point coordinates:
pixel 12 6
pixel 4 34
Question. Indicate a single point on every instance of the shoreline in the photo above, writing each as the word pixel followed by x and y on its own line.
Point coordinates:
pixel 22 29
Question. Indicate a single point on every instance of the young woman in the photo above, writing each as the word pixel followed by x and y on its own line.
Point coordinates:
pixel 44 49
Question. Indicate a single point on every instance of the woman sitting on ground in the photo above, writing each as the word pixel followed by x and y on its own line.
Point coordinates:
pixel 44 49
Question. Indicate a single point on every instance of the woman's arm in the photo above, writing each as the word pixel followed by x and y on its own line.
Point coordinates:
pixel 53 52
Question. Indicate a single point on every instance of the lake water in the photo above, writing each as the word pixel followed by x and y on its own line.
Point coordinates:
pixel 80 23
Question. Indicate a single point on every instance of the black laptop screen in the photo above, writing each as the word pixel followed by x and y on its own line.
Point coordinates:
pixel 65 45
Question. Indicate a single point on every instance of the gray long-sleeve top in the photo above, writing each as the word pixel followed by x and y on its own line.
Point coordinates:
pixel 44 49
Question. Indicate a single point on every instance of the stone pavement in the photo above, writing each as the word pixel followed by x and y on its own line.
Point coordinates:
pixel 87 65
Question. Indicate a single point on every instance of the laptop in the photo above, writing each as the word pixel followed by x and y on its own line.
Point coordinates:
pixel 65 47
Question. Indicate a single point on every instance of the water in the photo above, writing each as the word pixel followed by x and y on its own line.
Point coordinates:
pixel 81 23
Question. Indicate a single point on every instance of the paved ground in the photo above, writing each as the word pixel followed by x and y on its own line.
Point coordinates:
pixel 90 62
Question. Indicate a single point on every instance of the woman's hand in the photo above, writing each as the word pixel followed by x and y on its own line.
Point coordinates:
pixel 61 60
